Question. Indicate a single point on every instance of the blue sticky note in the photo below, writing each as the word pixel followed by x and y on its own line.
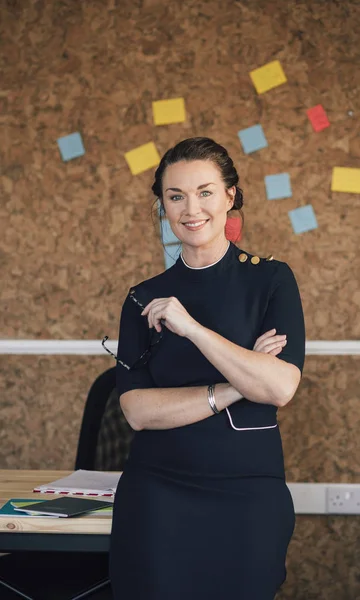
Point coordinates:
pixel 167 235
pixel 171 254
pixel 303 219
pixel 278 186
pixel 71 146
pixel 252 139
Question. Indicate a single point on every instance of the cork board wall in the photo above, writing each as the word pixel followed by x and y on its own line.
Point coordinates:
pixel 77 235
pixel 69 227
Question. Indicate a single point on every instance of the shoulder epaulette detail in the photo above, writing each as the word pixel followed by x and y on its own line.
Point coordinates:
pixel 255 260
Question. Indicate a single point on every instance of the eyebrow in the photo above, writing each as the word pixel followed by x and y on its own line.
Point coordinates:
pixel 200 187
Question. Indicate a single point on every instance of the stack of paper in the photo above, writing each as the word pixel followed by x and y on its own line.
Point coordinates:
pixel 83 483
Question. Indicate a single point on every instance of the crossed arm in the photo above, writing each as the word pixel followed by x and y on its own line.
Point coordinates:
pixel 255 374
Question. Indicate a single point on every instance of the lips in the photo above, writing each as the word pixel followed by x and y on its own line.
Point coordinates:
pixel 195 226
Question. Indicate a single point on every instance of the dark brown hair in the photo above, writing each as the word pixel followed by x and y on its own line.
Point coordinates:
pixel 199 148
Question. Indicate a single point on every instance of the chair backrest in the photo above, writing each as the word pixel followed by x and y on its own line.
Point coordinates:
pixel 114 438
pixel 105 435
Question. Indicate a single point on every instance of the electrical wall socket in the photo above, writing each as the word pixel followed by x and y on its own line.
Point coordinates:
pixel 343 499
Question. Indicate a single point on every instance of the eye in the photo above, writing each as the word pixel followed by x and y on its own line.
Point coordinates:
pixel 176 197
pixel 206 192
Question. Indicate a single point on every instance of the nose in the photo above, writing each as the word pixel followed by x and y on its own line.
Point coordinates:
pixel 193 206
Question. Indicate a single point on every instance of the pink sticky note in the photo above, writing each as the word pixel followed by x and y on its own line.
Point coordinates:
pixel 318 118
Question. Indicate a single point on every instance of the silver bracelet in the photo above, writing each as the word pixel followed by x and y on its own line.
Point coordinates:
pixel 211 399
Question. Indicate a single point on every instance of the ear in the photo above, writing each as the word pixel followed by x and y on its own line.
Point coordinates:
pixel 231 192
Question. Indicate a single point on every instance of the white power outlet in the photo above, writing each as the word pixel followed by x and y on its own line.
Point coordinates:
pixel 343 499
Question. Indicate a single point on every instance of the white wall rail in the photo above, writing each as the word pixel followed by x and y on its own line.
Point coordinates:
pixel 94 347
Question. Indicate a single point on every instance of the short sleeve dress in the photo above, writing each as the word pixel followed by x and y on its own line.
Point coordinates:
pixel 202 512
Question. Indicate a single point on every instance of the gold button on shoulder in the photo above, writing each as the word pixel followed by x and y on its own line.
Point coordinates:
pixel 255 260
pixel 269 258
pixel 243 257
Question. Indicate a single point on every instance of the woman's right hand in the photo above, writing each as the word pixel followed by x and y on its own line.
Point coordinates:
pixel 270 343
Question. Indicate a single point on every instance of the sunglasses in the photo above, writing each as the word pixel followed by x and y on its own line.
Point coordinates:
pixel 156 336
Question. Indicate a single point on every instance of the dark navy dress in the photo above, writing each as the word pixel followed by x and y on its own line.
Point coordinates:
pixel 202 512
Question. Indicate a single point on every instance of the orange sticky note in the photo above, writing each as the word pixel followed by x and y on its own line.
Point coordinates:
pixel 169 111
pixel 267 77
pixel 142 158
pixel 345 179
pixel 318 118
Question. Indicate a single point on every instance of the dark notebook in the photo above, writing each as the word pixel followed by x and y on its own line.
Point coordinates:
pixel 64 507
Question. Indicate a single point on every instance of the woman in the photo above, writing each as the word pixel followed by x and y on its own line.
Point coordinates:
pixel 208 351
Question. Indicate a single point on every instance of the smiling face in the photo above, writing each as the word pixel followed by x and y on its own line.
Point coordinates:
pixel 196 201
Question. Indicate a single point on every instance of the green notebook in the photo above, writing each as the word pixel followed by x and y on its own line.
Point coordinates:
pixel 9 508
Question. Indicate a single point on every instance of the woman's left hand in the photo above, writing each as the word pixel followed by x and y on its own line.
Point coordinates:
pixel 172 313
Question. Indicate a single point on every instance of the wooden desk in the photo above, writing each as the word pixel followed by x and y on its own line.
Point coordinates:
pixel 87 533
pixel 84 534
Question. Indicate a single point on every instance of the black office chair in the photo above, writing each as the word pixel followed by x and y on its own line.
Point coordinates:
pixel 105 435
pixel 104 442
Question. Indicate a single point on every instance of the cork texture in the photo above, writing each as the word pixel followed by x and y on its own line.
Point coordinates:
pixel 323 559
pixel 42 405
pixel 76 235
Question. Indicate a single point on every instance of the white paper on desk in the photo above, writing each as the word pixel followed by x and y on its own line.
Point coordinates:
pixel 85 482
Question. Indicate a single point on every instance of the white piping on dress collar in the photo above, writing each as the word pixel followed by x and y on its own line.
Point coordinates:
pixel 206 266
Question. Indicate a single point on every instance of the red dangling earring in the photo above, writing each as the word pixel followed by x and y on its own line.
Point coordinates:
pixel 233 229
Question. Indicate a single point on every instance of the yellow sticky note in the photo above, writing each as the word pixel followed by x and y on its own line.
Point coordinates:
pixel 169 111
pixel 345 179
pixel 142 158
pixel 267 77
